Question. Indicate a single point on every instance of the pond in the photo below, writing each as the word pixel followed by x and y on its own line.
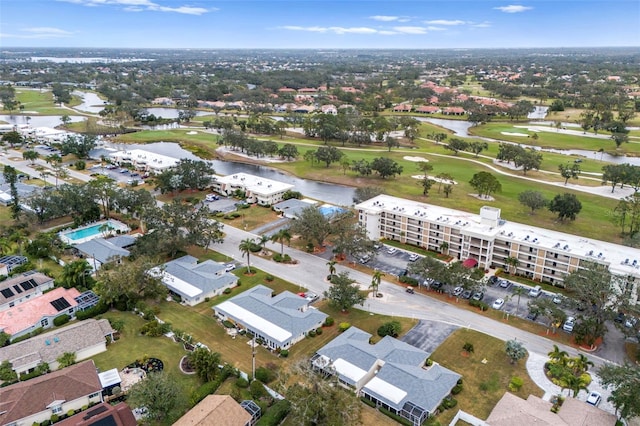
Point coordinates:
pixel 90 102
pixel 38 120
pixel 328 192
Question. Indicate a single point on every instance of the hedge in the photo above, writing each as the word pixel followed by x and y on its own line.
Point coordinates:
pixel 479 304
pixel 408 280
pixel 276 414
pixel 96 310
pixel 61 320
pixel 395 417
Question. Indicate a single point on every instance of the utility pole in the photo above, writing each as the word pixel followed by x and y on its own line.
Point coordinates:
pixel 253 357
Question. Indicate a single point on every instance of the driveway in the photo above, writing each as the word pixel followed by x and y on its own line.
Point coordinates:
pixel 428 335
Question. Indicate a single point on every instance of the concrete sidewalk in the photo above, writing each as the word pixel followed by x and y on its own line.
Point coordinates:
pixel 535 368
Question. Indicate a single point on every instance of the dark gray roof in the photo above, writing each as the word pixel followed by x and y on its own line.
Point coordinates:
pixel 208 276
pixel 292 207
pixel 101 250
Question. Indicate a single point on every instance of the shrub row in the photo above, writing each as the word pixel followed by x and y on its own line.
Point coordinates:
pixel 408 280
pixel 479 304
pixel 99 309
pixel 276 414
pixel 61 320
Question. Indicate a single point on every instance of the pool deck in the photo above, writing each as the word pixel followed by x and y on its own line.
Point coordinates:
pixel 117 226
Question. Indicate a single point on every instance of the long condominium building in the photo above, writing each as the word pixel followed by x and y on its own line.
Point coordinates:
pixel 543 255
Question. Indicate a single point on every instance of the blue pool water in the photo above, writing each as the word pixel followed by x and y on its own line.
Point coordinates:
pixel 330 210
pixel 88 232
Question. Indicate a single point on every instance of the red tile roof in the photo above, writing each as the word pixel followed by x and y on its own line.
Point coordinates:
pixel 23 316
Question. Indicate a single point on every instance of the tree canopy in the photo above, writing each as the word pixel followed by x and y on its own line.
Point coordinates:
pixel 343 292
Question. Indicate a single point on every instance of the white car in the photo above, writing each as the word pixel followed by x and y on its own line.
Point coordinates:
pixel 569 323
pixel 458 291
pixel 557 299
pixel 230 267
pixel 594 398
pixel 498 304
pixel 211 197
pixel 413 257
pixel 311 297
pixel 392 250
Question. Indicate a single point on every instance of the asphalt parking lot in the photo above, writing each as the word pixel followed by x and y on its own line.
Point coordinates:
pixel 428 335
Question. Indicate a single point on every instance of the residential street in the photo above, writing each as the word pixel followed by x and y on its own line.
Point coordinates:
pixel 311 272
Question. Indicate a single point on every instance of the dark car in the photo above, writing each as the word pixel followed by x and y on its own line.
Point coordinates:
pixel 493 279
pixel 467 294
pixel 619 318
pixel 435 284
pixel 478 295
pixel 532 316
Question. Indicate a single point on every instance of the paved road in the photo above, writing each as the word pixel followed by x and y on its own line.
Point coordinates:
pixel 14 158
pixel 311 272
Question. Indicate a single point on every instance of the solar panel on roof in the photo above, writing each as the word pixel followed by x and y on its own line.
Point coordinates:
pixel 29 284
pixel 60 304
pixel 18 289
pixel 7 292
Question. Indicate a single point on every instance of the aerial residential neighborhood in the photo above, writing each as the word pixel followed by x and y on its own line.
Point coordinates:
pixel 372 213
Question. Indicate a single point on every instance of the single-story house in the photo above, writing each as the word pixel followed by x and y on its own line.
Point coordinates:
pixel 257 189
pixel 280 321
pixel 292 208
pixel 38 312
pixel 194 281
pixel 216 410
pixel 12 261
pixel 428 109
pixel 83 338
pixel 453 111
pixel 56 393
pixel 103 414
pixel 534 411
pixel 403 108
pixel 19 289
pixel 101 250
pixel 392 374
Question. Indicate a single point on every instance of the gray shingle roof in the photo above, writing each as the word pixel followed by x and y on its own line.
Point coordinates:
pixel 122 240
pixel 286 310
pixel 208 276
pixel 72 338
pixel 401 367
pixel 101 250
pixel 38 278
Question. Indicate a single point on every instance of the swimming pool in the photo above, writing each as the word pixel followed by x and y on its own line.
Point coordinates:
pixel 328 210
pixel 87 233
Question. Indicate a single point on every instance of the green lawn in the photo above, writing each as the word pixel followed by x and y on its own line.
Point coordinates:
pixel 132 345
pixel 551 139
pixel 494 375
pixel 41 102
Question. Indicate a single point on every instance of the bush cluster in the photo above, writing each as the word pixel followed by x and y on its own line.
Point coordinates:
pixel 94 311
pixel 344 326
pixel 479 304
pixel 61 320
pixel 329 321
pixel 276 414
pixel 408 280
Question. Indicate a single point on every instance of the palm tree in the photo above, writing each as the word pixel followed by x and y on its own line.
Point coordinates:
pixel 580 364
pixel 30 155
pixel 245 247
pixel 444 247
pixel 332 267
pixel 375 281
pixel 264 239
pixel 558 356
pixel 66 359
pixel 574 383
pixel 518 291
pixel 281 236
pixel 512 262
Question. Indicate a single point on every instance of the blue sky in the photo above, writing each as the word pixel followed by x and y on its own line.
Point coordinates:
pixel 319 24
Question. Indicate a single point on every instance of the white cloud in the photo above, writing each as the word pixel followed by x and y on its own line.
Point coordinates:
pixel 143 5
pixel 410 30
pixel 485 24
pixel 513 8
pixel 432 28
pixel 335 30
pixel 384 18
pixel 38 33
pixel 446 22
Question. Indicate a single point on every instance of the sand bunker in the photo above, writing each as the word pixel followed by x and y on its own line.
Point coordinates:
pixel 514 134
pixel 436 179
pixel 416 159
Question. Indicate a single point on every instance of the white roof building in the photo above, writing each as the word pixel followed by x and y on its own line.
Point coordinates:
pixel 257 189
pixel 543 254
pixel 145 160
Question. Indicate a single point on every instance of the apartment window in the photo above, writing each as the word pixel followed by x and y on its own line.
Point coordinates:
pixel 555 255
pixel 529 258
pixel 56 409
pixel 44 322
pixel 554 264
pixel 530 249
pixel 94 395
